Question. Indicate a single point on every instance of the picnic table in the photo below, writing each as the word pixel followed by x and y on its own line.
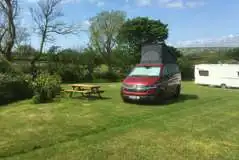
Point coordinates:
pixel 85 90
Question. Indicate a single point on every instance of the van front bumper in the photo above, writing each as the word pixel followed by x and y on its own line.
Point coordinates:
pixel 140 98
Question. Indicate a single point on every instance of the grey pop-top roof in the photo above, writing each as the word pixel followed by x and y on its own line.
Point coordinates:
pixel 156 54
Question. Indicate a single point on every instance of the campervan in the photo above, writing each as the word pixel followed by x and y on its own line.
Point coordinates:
pixel 156 77
pixel 222 75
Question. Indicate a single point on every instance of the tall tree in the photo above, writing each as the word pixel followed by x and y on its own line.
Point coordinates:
pixel 22 36
pixel 8 14
pixel 104 30
pixel 46 19
pixel 140 30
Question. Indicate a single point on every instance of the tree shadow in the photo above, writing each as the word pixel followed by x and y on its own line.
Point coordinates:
pixel 180 99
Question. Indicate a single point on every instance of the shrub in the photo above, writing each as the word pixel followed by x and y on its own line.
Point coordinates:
pixel 46 87
pixel 14 87
pixel 108 76
pixel 186 67
pixel 71 73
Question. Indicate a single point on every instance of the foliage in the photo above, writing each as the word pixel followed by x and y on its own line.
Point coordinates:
pixel 14 87
pixel 186 67
pixel 104 30
pixel 8 14
pixel 175 51
pixel 46 87
pixel 108 76
pixel 25 51
pixel 46 20
pixel 234 54
pixel 140 30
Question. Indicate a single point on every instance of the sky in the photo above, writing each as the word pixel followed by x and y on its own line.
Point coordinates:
pixel 191 23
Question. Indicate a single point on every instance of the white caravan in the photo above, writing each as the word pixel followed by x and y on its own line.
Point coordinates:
pixel 223 75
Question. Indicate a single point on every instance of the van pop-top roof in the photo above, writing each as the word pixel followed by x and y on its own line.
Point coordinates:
pixel 157 53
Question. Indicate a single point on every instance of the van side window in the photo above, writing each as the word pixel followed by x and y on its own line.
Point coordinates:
pixel 170 69
pixel 203 73
pixel 238 74
pixel 176 68
pixel 165 71
pixel 173 68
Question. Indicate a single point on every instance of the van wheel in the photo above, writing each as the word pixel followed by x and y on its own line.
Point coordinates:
pixel 224 86
pixel 177 92
pixel 125 100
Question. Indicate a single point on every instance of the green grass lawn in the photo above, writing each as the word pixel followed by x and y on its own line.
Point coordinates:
pixel 204 124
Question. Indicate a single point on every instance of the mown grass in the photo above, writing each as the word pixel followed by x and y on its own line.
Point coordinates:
pixel 203 124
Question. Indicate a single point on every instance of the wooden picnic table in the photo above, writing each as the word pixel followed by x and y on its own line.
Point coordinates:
pixel 85 90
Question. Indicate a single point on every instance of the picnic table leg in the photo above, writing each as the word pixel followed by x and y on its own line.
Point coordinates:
pixel 71 94
pixel 98 92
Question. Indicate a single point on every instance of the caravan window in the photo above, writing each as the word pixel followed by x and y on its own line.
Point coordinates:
pixel 203 73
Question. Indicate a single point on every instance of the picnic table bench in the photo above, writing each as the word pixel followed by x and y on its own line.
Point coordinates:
pixel 85 90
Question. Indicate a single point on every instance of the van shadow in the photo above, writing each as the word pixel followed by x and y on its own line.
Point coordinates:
pixel 180 99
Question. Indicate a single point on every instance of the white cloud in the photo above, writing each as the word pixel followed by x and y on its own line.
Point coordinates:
pixel 70 1
pixel 63 1
pixel 193 4
pixel 98 3
pixel 225 41
pixel 175 4
pixel 181 3
pixel 142 3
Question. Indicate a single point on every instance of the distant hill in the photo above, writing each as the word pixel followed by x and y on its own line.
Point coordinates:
pixel 198 50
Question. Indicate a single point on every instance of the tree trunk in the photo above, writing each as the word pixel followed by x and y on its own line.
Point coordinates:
pixel 11 31
pixel 36 58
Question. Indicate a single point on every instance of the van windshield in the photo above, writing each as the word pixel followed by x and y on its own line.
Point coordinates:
pixel 145 71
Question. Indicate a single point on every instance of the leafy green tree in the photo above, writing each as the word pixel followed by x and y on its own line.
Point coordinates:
pixel 137 31
pixel 104 30
pixel 90 59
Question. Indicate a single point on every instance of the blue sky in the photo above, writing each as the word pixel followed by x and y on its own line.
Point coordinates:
pixel 191 22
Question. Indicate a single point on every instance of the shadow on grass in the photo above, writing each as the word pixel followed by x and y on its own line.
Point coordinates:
pixel 91 98
pixel 180 99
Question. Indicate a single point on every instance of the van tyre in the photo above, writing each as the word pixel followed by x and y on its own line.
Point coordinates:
pixel 177 92
pixel 125 100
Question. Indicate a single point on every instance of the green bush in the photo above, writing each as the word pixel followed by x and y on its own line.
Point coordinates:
pixel 107 76
pixel 46 87
pixel 186 67
pixel 68 73
pixel 14 87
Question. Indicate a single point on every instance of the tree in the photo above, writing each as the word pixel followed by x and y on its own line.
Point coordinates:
pixel 90 60
pixel 25 50
pixel 8 14
pixel 22 36
pixel 53 49
pixel 45 18
pixel 175 51
pixel 104 30
pixel 137 31
pixel 233 54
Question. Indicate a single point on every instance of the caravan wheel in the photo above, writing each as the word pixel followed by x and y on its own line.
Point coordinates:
pixel 224 86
